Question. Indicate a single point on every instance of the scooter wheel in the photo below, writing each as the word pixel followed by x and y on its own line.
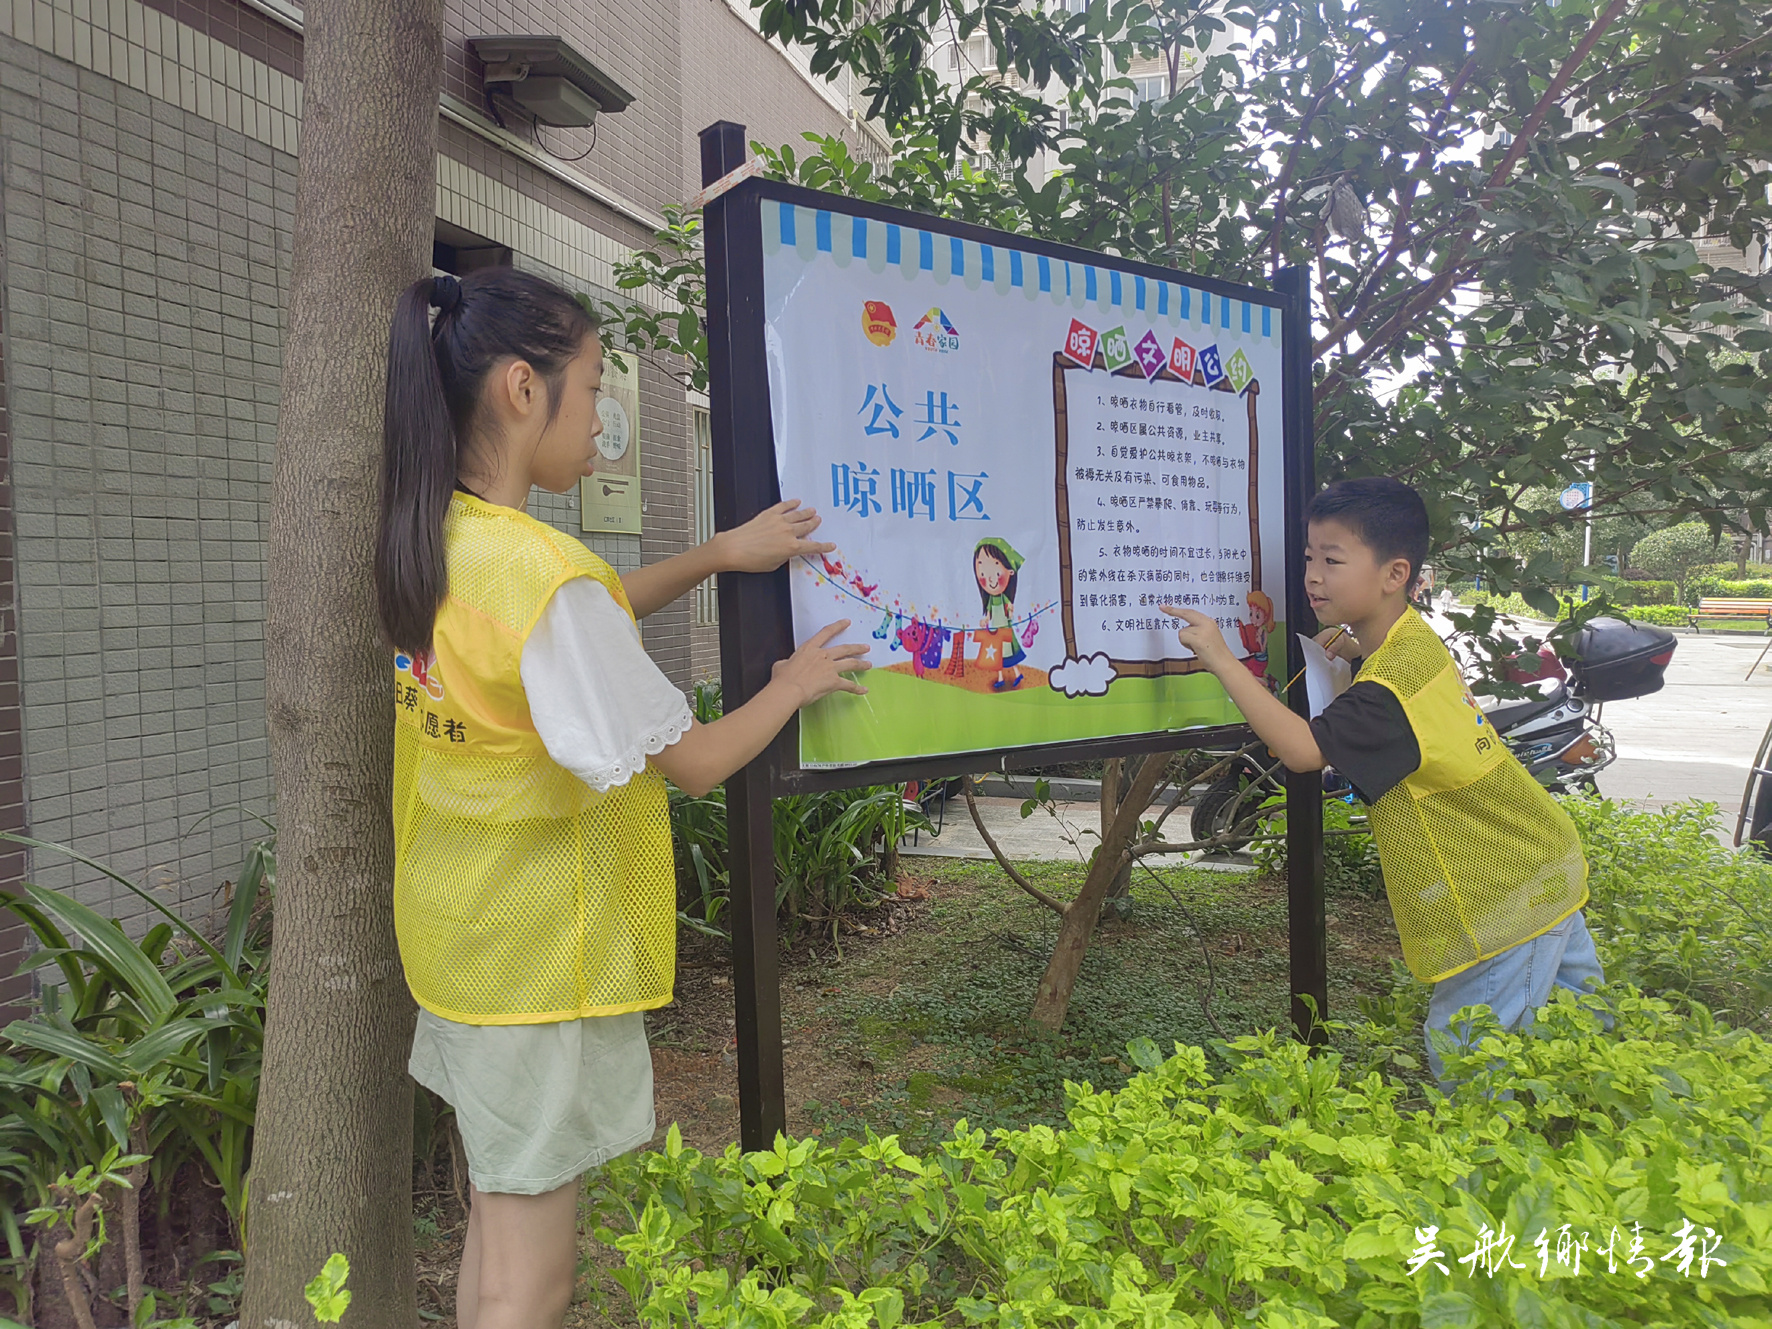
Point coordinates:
pixel 1227 802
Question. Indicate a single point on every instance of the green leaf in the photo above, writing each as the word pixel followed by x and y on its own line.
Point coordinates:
pixel 130 969
pixel 326 1291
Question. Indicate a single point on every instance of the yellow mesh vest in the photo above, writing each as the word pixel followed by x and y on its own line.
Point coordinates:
pixel 521 896
pixel 1477 855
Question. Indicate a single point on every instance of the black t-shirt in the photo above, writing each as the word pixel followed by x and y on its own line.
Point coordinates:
pixel 1365 735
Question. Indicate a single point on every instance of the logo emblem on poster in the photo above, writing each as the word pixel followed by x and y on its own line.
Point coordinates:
pixel 1116 350
pixel 1239 370
pixel 935 332
pixel 1181 361
pixel 1210 366
pixel 1079 343
pixel 1150 355
pixel 877 322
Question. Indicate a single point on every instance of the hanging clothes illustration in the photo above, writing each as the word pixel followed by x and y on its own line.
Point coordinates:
pixel 957 661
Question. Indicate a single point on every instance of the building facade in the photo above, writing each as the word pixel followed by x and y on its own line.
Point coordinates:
pixel 148 156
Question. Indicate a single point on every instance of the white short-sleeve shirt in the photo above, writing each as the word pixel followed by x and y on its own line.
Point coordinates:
pixel 599 703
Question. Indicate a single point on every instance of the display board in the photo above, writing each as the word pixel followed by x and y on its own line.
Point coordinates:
pixel 609 499
pixel 1020 458
pixel 1024 396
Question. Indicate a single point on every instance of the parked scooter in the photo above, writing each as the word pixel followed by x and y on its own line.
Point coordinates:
pixel 1556 734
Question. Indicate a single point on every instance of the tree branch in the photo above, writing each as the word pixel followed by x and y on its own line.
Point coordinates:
pixel 1300 136
pixel 1400 228
pixel 1009 869
pixel 1435 290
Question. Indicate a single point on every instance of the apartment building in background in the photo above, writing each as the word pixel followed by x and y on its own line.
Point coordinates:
pixel 148 158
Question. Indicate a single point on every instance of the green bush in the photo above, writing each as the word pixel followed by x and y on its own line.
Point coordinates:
pixel 1646 593
pixel 1291 1193
pixel 1753 571
pixel 1298 1190
pixel 149 1047
pixel 832 853
pixel 1674 552
pixel 1677 913
pixel 1667 616
pixel 1697 587
pixel 1350 859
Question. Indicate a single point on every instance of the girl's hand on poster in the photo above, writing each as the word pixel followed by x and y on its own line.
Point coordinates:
pixel 1201 634
pixel 818 669
pixel 771 538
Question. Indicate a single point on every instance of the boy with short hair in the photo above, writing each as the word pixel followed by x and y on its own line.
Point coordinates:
pixel 1484 870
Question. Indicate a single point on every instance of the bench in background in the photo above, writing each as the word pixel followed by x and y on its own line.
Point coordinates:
pixel 1712 608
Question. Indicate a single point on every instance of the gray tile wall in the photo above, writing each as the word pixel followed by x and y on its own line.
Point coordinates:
pixel 145 256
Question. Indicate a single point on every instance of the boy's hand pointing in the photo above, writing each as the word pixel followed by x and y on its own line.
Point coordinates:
pixel 1201 635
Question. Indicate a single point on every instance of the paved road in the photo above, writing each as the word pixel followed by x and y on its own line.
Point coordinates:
pixel 1696 737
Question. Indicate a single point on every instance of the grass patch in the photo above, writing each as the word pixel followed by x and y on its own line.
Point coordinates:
pixel 939 1013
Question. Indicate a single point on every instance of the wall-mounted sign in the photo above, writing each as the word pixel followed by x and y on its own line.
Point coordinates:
pixel 609 498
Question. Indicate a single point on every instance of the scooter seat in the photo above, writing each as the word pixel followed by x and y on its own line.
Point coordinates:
pixel 1515 711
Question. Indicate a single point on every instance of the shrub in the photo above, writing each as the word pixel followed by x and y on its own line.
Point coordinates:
pixel 1643 592
pixel 1701 585
pixel 1753 571
pixel 1676 912
pixel 149 1047
pixel 832 852
pixel 1299 1190
pixel 1296 1191
pixel 1674 552
pixel 1350 859
pixel 1667 616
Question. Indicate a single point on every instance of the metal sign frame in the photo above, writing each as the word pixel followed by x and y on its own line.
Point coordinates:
pixel 756 626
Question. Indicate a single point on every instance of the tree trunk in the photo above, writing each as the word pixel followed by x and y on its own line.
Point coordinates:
pixel 332 1159
pixel 1053 998
pixel 1113 771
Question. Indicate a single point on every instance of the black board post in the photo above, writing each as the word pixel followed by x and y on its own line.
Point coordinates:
pixel 1306 920
pixel 753 616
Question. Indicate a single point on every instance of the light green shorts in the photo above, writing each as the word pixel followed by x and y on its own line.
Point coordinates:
pixel 539 1104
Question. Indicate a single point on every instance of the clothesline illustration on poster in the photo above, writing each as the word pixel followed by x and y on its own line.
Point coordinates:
pixel 927 637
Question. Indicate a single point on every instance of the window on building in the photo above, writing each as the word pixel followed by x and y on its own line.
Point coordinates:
pixel 707 602
pixel 1076 6
pixel 1151 88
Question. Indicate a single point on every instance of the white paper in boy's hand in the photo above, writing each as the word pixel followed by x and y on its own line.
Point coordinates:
pixel 1326 676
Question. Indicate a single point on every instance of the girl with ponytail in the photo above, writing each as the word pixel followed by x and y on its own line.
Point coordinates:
pixel 534 891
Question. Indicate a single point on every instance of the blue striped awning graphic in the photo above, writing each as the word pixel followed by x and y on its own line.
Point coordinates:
pixel 820 231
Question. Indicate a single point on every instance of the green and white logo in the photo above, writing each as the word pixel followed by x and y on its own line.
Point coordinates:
pixel 1116 349
pixel 1239 370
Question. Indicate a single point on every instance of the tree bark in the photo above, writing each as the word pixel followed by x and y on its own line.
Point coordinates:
pixel 332 1164
pixel 1113 770
pixel 1053 998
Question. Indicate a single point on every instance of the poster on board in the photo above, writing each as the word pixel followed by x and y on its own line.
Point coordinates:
pixel 1019 459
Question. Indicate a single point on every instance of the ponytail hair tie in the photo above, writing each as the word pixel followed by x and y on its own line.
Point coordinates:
pixel 445 294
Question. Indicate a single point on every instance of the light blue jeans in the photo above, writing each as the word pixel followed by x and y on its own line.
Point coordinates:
pixel 1519 980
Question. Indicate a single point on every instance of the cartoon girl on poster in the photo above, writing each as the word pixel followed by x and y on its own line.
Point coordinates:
pixel 1254 636
pixel 996 564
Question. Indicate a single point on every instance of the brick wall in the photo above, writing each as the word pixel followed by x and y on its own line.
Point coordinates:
pixel 146 200
pixel 15 938
pixel 731 73
pixel 146 265
pixel 635 41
